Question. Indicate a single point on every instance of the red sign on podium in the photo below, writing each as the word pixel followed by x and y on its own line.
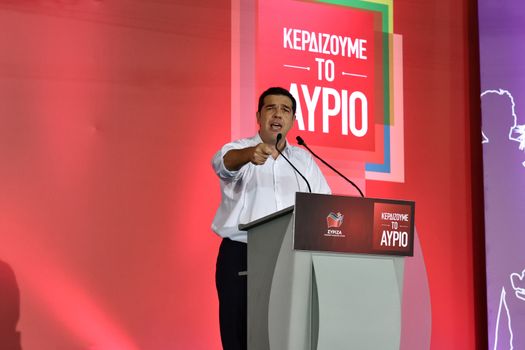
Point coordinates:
pixel 353 224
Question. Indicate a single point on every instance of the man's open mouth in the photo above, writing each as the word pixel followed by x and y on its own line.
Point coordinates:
pixel 276 126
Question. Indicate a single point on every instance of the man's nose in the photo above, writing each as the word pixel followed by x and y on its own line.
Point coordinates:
pixel 279 111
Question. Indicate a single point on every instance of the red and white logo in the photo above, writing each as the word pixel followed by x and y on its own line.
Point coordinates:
pixel 334 220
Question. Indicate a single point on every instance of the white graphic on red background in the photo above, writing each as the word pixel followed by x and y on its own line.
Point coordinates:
pixel 326 56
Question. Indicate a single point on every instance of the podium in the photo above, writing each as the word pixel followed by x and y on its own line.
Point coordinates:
pixel 327 274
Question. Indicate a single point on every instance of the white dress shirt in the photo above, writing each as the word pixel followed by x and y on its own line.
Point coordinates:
pixel 255 191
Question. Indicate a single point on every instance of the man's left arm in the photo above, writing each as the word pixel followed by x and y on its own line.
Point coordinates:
pixel 316 178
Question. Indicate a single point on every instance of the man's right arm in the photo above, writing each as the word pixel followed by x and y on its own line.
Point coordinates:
pixel 235 159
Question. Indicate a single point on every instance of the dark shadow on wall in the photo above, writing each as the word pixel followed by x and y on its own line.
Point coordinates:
pixel 9 309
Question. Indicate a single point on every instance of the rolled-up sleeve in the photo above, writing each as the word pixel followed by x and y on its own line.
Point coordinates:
pixel 218 160
pixel 217 163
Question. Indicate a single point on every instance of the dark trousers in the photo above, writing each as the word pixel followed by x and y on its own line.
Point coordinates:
pixel 232 291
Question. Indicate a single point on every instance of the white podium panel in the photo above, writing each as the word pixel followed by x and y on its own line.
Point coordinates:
pixel 318 300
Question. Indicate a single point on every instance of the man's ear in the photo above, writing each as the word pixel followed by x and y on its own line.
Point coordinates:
pixel 258 116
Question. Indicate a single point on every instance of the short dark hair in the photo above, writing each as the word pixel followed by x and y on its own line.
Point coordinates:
pixel 276 91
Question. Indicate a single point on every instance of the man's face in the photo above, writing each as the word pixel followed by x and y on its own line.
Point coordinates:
pixel 276 116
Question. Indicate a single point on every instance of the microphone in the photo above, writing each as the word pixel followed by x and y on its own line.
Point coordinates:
pixel 279 137
pixel 301 142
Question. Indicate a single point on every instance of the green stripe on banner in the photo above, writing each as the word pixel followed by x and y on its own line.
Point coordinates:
pixel 364 5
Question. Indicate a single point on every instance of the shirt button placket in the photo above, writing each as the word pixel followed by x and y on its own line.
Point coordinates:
pixel 277 184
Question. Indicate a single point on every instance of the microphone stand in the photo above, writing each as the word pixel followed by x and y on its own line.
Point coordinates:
pixel 301 142
pixel 279 137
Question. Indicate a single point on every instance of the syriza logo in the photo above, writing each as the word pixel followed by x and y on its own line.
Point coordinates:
pixel 334 220
pixel 333 223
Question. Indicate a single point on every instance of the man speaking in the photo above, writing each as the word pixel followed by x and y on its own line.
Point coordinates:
pixel 255 181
